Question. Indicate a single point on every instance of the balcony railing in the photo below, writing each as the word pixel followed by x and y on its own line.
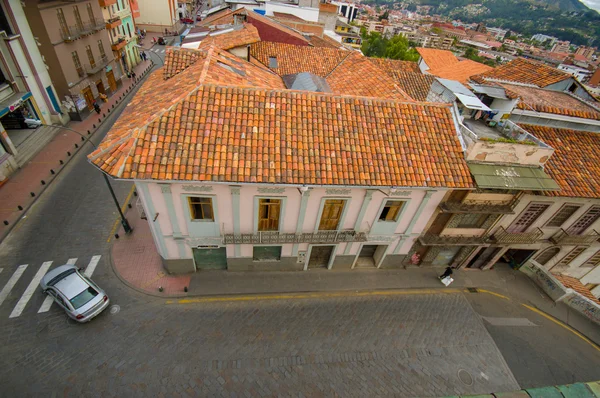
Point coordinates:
pixel 113 23
pixel 97 24
pixel 97 67
pixel 80 71
pixel 122 13
pixel 455 240
pixel 479 208
pixel 72 33
pixel 505 237
pixel 310 237
pixel 119 44
pixel 562 237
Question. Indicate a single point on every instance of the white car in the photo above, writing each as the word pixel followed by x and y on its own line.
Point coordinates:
pixel 77 294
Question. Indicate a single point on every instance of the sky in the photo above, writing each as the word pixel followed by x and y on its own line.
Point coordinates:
pixel 594 4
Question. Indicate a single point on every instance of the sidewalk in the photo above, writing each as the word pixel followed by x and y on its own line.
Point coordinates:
pixel 55 155
pixel 137 263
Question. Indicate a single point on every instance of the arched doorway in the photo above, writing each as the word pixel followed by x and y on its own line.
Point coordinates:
pixel 547 255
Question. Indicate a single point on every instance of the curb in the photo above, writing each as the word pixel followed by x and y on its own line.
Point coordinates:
pixel 91 134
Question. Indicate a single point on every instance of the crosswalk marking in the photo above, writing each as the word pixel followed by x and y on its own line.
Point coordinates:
pixel 11 282
pixel 49 300
pixel 30 290
pixel 92 266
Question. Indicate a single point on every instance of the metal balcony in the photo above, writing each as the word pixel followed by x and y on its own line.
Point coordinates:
pixel 122 13
pixel 119 44
pixel 479 208
pixel 97 24
pixel 310 237
pixel 456 240
pixel 97 67
pixel 562 237
pixel 113 23
pixel 504 237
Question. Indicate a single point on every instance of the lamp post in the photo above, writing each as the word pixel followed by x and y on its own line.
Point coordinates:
pixel 126 227
pixel 151 52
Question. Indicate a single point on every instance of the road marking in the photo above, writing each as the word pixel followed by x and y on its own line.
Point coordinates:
pixel 49 300
pixel 30 290
pixel 11 282
pixel 91 266
pixel 493 293
pixel 316 295
pixel 118 220
pixel 1 269
pixel 569 328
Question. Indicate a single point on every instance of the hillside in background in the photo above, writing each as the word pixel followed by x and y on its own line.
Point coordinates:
pixel 566 19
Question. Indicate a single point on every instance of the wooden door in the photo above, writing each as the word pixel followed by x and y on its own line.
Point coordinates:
pixel 332 213
pixel 320 256
pixel 268 214
pixel 527 217
pixel 89 98
pixel 111 80
pixel 100 87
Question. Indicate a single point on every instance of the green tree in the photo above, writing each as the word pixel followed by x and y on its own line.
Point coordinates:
pixel 398 48
pixel 385 15
pixel 373 45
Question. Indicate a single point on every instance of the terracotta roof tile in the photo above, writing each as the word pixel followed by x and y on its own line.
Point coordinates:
pixel 460 71
pixel 415 84
pixel 572 283
pixel 224 17
pixel 575 164
pixel 324 41
pixel 548 101
pixel 437 58
pixel 248 34
pixel 395 65
pixel 178 59
pixel 526 71
pixel 289 17
pixel 295 59
pixel 186 129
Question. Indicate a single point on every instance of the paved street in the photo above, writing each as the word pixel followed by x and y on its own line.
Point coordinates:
pixel 382 345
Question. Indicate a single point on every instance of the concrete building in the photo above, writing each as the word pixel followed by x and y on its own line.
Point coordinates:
pixel 122 32
pixel 561 47
pixel 26 91
pixel 157 15
pixel 578 73
pixel 77 50
pixel 541 38
pixel 587 52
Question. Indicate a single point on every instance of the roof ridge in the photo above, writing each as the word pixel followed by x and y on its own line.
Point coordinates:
pixel 339 63
pixel 204 72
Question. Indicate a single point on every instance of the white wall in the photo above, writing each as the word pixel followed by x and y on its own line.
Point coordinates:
pixel 308 14
pixel 157 13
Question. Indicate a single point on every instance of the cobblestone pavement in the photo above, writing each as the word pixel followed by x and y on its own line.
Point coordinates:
pixel 403 346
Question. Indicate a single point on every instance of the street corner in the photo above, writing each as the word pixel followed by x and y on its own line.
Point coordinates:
pixel 137 263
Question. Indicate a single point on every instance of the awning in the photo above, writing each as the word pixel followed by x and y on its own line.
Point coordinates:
pixel 512 177
pixel 472 102
pixel 491 91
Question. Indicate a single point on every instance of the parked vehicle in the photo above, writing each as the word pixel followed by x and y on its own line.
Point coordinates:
pixel 187 20
pixel 77 294
pixel 161 41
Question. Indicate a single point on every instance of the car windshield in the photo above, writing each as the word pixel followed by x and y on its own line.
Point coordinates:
pixel 83 297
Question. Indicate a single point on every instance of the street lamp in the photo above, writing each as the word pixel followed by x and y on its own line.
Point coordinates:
pixel 126 227
pixel 151 52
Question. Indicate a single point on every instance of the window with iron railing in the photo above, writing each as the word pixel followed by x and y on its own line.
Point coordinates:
pixel 77 63
pixel 62 22
pixel 78 20
pixel 90 54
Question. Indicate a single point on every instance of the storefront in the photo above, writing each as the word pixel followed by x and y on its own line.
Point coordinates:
pixel 15 112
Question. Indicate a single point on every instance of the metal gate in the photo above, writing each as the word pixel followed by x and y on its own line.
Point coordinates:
pixel 213 258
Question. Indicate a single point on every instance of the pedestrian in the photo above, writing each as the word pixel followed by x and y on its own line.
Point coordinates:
pixel 133 75
pixel 446 273
pixel 144 32
pixel 96 107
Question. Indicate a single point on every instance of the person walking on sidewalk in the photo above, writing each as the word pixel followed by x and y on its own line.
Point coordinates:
pixel 446 273
pixel 96 107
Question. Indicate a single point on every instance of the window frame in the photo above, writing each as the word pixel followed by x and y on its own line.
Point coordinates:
pixel 259 205
pixel 101 49
pixel 576 248
pixel 547 224
pixel 192 211
pixel 341 220
pixel 78 20
pixel 399 211
pixel 553 248
pixel 90 55
pixel 482 218
pixel 569 229
pixel 595 263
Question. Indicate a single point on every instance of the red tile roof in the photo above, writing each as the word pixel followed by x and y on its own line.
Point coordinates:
pixel 415 84
pixel 547 101
pixel 572 283
pixel 357 75
pixel 248 34
pixel 526 71
pixel 394 65
pixel 289 17
pixel 324 41
pixel 178 59
pixel 460 71
pixel 575 164
pixel 437 58
pixel 202 126
pixel 295 59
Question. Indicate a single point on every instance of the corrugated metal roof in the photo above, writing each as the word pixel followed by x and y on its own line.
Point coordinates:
pixel 512 177
pixel 472 102
pixel 306 81
pixel 494 92
pixel 455 87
